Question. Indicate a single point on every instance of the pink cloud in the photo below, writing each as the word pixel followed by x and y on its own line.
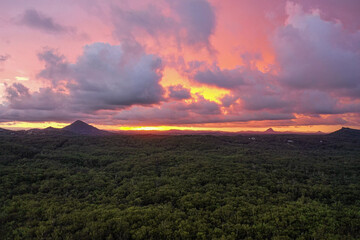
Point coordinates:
pixel 316 54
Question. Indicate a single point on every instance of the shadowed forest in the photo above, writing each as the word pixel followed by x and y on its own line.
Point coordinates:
pixel 179 187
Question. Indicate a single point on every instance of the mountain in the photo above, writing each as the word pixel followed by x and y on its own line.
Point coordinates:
pixel 82 128
pixel 270 131
pixel 51 130
pixel 346 132
pixel 5 131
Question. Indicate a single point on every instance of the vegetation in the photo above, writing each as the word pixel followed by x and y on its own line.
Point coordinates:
pixel 179 187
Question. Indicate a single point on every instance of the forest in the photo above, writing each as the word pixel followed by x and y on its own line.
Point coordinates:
pixel 179 187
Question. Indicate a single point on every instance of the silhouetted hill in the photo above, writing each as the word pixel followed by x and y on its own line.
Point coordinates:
pixel 82 128
pixel 270 131
pixel 5 131
pixel 346 132
pixel 51 130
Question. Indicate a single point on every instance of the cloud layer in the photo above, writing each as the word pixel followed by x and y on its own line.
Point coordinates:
pixel 189 62
pixel 35 19
pixel 104 77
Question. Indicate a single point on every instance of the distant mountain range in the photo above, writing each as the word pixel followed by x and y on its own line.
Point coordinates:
pixel 269 131
pixel 76 128
pixel 2 130
pixel 81 128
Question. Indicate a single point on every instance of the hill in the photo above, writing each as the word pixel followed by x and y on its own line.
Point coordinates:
pixel 4 131
pixel 346 133
pixel 82 128
pixel 270 131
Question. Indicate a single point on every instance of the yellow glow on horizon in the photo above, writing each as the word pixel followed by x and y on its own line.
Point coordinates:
pixel 157 128
pixel 222 127
pixel 30 125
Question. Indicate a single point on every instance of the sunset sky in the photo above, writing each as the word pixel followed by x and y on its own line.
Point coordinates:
pixel 226 65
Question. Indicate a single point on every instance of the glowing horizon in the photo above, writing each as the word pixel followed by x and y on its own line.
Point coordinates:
pixel 302 129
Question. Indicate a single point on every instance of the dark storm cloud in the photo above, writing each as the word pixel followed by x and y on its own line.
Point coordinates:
pixel 178 92
pixel 16 91
pixel 43 105
pixel 202 112
pixel 346 10
pixel 224 78
pixel 20 98
pixel 229 100
pixel 203 107
pixel 151 20
pixel 317 54
pixel 56 66
pixel 190 23
pixel 257 102
pixel 198 18
pixel 107 77
pixel 172 112
pixel 37 20
pixel 4 58
pixel 318 66
pixel 320 102
pixel 104 77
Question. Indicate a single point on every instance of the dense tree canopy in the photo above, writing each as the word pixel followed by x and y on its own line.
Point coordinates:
pixel 179 187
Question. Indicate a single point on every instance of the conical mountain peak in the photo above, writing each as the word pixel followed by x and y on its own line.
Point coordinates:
pixel 80 127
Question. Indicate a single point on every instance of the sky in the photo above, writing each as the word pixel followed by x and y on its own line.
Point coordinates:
pixel 181 64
